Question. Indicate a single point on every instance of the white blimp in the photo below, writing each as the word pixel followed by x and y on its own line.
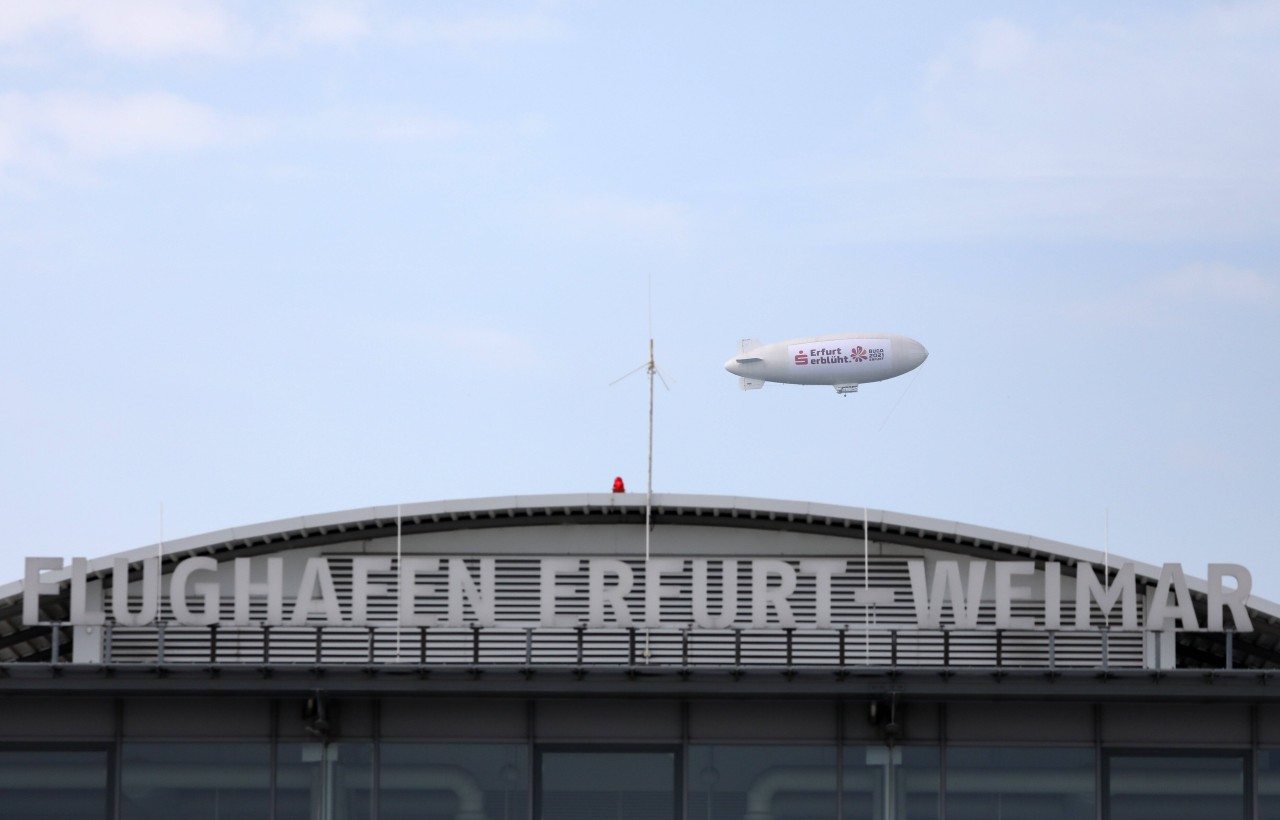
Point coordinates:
pixel 842 360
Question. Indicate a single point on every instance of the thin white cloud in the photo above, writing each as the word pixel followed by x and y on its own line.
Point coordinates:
pixel 143 30
pixel 460 345
pixel 1171 297
pixel 1001 45
pixel 331 23
pixel 133 29
pixel 1219 283
pixel 418 129
pixel 481 29
pixel 1198 455
pixel 618 218
pixel 1154 126
pixel 378 123
pixel 48 131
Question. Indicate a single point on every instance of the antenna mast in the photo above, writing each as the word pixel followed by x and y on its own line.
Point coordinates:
pixel 648 494
pixel 650 367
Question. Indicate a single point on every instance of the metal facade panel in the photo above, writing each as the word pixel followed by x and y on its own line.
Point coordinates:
pixel 55 719
pixel 1183 724
pixel 733 720
pixel 201 718
pixel 454 719
pixel 617 721
pixel 1062 724
pixel 1269 725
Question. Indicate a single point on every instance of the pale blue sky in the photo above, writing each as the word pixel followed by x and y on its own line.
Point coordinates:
pixel 266 260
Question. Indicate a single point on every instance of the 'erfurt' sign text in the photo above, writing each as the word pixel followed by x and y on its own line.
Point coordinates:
pixel 703 593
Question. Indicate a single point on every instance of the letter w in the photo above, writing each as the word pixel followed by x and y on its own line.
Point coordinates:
pixel 946 577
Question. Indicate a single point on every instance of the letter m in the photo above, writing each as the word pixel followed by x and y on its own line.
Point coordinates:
pixel 1121 590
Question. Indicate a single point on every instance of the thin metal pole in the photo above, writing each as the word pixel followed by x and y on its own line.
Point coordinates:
pixel 1106 560
pixel 159 567
pixel 399 577
pixel 648 497
pixel 866 585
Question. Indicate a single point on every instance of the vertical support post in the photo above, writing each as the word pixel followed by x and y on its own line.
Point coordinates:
pixel 160 629
pixel 375 802
pixel 1230 649
pixel 55 637
pixel 108 635
pixel 213 643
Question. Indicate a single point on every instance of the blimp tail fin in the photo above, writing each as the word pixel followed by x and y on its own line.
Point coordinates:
pixel 749 384
pixel 745 347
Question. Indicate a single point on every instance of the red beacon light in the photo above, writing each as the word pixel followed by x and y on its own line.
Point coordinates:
pixel 618 486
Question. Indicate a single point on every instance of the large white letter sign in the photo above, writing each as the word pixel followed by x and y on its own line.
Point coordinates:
pixel 598 593
pixel 702 616
pixel 762 594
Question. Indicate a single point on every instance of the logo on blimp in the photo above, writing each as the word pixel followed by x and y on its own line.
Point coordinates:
pixel 858 354
pixel 802 358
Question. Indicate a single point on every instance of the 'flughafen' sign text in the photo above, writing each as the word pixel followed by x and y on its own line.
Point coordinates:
pixel 755 593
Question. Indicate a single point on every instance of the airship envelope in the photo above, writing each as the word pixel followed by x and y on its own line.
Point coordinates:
pixel 842 360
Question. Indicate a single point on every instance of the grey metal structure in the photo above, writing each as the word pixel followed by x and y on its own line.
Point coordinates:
pixel 874 717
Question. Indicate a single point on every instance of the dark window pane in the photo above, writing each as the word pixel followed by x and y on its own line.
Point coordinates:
pixel 445 781
pixel 1269 784
pixel 781 782
pixel 312 776
pixel 902 781
pixel 590 785
pixel 1020 783
pixel 35 785
pixel 181 781
pixel 1177 787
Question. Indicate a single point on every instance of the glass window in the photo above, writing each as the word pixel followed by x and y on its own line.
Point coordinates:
pixel 589 784
pixel 778 782
pixel 187 781
pixel 899 783
pixel 1020 783
pixel 1173 787
pixel 1269 784
pixel 318 781
pixel 39 784
pixel 446 781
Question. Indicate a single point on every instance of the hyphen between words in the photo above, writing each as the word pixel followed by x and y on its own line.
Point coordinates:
pixel 459 595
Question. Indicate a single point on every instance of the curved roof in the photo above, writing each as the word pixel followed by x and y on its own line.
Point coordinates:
pixel 17 642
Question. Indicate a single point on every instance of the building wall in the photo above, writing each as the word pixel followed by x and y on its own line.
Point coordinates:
pixel 254 757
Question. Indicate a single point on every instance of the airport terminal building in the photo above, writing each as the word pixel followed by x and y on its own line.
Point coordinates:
pixel 552 658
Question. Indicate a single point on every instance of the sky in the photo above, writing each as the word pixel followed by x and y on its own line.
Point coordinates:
pixel 267 260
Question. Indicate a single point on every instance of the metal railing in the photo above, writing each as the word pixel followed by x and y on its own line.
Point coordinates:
pixel 686 648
